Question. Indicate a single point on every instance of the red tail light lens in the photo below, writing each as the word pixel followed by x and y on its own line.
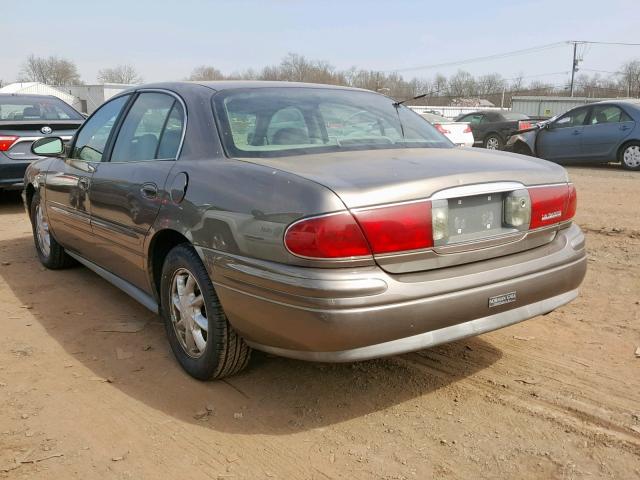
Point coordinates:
pixel 551 205
pixel 467 129
pixel 441 129
pixel 329 236
pixel 572 203
pixel 7 141
pixel 524 124
pixel 397 228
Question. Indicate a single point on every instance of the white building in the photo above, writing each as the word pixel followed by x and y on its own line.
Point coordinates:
pixel 84 98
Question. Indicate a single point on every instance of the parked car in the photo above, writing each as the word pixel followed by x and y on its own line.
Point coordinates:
pixel 23 119
pixel 492 128
pixel 334 236
pixel 458 132
pixel 600 132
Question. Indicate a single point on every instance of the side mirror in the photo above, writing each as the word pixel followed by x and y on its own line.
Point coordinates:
pixel 48 147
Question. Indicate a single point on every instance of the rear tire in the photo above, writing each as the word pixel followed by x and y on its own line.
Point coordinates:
pixel 630 156
pixel 202 339
pixel 50 252
pixel 493 142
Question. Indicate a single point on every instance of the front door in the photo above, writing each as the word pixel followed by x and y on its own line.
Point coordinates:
pixel 562 139
pixel 128 188
pixel 69 179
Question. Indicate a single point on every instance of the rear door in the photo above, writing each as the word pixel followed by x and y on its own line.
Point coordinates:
pixel 478 123
pixel 563 138
pixel 68 179
pixel 127 188
pixel 606 128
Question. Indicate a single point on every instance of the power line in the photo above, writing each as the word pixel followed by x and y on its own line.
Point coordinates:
pixel 484 58
pixel 624 44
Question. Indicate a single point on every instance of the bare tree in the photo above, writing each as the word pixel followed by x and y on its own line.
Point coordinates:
pixel 206 73
pixel 631 77
pixel 125 74
pixel 50 70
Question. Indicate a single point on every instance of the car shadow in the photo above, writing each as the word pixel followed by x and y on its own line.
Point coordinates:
pixel 273 396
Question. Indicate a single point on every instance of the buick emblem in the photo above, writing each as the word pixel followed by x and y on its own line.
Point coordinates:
pixel 46 130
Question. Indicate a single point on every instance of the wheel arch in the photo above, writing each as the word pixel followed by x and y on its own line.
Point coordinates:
pixel 29 192
pixel 522 148
pixel 159 246
pixel 493 133
pixel 624 145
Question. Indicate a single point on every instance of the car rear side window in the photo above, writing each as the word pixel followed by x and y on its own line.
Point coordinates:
pixel 95 132
pixel 151 130
pixel 473 119
pixel 608 114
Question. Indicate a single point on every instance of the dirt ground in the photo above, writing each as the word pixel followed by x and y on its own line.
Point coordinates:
pixel 556 397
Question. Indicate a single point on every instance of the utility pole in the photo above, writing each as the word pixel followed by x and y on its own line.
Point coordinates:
pixel 574 65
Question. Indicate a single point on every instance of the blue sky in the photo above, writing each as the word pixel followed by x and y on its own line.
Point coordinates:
pixel 164 40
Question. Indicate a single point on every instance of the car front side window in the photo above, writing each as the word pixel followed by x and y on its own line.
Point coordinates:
pixel 94 134
pixel 572 119
pixel 142 136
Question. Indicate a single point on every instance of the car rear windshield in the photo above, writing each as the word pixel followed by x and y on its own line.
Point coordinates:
pixel 270 122
pixel 20 108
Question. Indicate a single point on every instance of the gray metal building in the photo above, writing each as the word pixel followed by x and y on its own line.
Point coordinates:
pixel 548 106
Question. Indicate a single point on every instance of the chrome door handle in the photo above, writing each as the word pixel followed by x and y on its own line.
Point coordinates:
pixel 575 132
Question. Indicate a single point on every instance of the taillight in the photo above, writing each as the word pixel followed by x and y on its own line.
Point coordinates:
pixel 552 204
pixel 397 228
pixel 524 124
pixel 7 141
pixel 441 129
pixel 329 236
pixel 467 129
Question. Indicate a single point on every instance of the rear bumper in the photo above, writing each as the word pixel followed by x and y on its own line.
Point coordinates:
pixel 12 172
pixel 337 315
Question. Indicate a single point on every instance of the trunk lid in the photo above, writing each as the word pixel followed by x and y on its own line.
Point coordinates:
pixel 28 131
pixel 379 177
pixel 376 177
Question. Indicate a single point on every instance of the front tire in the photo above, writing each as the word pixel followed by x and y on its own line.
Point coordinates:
pixel 493 142
pixel 202 339
pixel 630 156
pixel 50 252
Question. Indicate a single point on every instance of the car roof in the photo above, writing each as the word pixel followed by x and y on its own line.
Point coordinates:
pixel 220 85
pixel 633 101
pixel 30 96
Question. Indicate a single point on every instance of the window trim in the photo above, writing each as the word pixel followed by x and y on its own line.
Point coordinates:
pixel 107 146
pixel 117 127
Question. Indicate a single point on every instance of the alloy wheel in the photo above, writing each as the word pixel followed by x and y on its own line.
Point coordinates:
pixel 631 156
pixel 493 143
pixel 42 232
pixel 188 313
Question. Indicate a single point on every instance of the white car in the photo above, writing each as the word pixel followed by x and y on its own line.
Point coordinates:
pixel 458 132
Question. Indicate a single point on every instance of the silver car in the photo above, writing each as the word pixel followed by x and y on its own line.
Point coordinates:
pixel 313 222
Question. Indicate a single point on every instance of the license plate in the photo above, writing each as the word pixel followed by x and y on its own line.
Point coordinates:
pixel 472 218
pixel 502 299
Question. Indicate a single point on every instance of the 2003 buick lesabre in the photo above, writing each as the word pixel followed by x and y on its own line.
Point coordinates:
pixel 313 222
